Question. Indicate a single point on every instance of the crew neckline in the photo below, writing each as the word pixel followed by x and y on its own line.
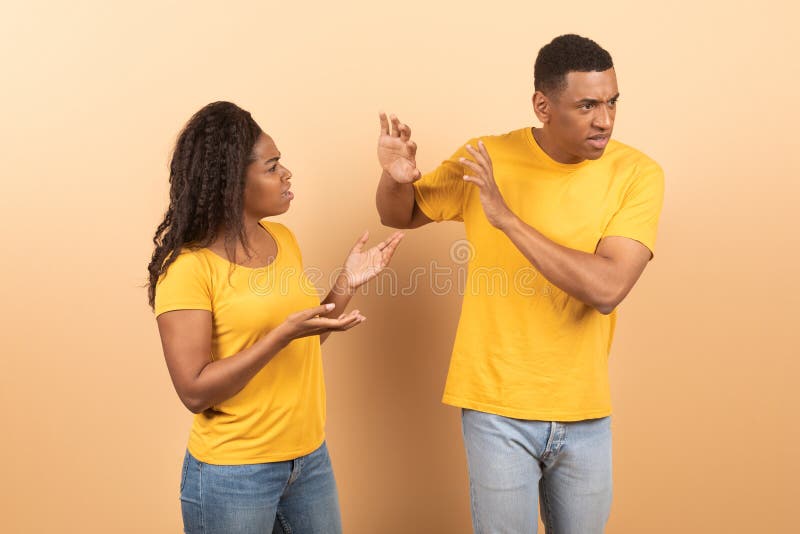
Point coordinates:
pixel 263 224
pixel 539 151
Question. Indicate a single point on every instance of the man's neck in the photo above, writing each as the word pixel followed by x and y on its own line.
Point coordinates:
pixel 545 141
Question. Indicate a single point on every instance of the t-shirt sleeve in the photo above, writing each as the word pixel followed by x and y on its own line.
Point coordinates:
pixel 185 286
pixel 441 193
pixel 637 217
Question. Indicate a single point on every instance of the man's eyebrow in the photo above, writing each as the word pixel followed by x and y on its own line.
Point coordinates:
pixel 276 158
pixel 595 101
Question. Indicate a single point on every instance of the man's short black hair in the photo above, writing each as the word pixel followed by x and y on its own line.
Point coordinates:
pixel 564 54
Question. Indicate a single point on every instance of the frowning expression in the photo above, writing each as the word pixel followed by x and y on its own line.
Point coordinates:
pixel 580 117
pixel 266 188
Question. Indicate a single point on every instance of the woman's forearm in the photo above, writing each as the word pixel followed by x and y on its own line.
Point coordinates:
pixel 221 379
pixel 339 295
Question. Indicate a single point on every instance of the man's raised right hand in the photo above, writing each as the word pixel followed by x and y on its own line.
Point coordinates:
pixel 396 151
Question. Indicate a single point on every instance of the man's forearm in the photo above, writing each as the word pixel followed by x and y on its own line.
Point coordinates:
pixel 395 202
pixel 587 277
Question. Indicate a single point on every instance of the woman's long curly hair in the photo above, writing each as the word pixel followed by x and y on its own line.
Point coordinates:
pixel 206 178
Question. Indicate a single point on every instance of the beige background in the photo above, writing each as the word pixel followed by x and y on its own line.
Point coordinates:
pixel 705 363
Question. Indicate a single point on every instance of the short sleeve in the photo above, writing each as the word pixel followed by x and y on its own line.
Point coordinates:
pixel 440 194
pixel 185 286
pixel 637 217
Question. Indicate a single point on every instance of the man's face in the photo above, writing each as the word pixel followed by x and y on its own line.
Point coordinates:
pixel 582 115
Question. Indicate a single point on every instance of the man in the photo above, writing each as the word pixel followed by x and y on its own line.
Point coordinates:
pixel 569 217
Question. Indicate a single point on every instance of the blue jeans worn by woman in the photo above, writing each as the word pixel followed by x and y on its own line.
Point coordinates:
pixel 515 463
pixel 297 496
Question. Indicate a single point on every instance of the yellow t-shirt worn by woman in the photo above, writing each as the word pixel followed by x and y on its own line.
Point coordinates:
pixel 280 413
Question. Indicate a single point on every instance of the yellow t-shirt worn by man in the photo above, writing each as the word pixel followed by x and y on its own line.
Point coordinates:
pixel 524 348
pixel 280 413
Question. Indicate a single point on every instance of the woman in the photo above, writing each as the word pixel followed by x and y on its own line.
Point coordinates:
pixel 241 328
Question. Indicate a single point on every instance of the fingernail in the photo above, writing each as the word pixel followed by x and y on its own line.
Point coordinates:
pixel 330 305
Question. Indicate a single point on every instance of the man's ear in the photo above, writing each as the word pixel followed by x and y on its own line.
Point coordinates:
pixel 541 106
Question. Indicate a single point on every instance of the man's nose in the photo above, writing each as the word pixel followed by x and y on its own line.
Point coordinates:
pixel 602 118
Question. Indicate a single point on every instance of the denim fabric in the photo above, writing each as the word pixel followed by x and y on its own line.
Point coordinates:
pixel 293 497
pixel 515 463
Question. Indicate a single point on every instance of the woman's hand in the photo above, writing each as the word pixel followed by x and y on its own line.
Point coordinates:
pixel 308 323
pixel 361 265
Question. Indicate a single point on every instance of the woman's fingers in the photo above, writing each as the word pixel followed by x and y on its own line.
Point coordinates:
pixel 326 323
pixel 386 242
pixel 391 245
pixel 361 242
pixel 352 320
pixel 352 324
pixel 304 315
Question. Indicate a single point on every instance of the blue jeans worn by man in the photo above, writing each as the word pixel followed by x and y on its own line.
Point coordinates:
pixel 561 222
pixel 514 463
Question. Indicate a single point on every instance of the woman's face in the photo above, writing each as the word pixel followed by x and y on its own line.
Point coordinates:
pixel 266 186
